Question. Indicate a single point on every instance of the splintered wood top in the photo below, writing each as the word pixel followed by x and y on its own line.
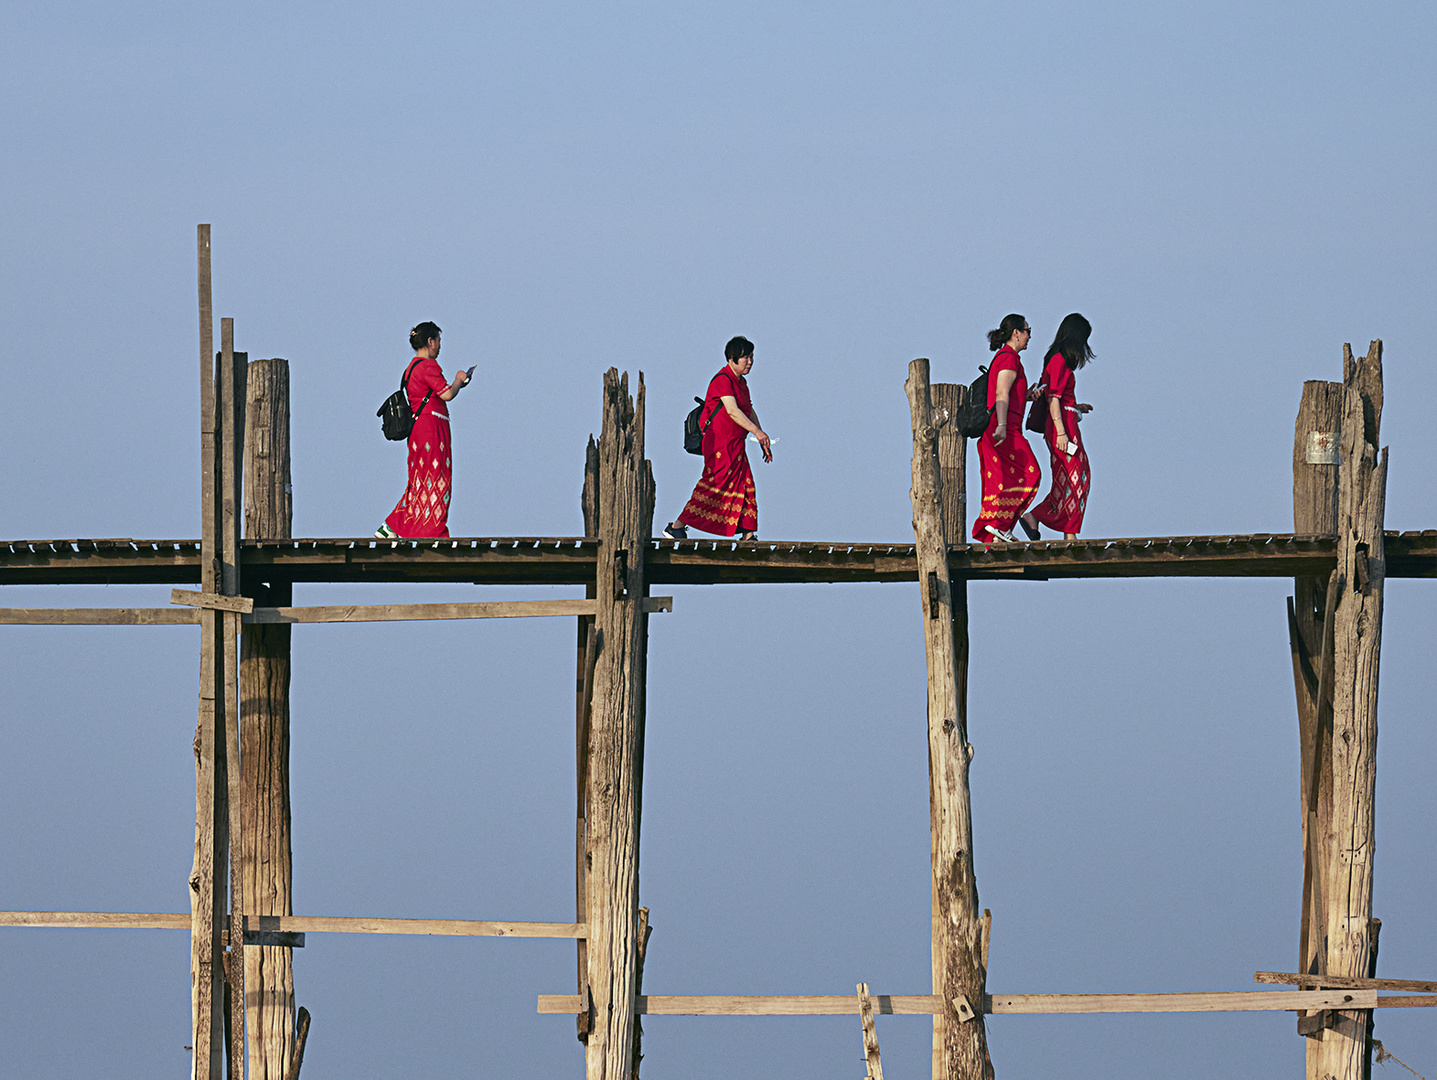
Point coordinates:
pixel 571 560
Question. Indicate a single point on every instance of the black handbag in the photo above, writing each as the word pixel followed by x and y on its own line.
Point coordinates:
pixel 693 434
pixel 395 415
pixel 1038 412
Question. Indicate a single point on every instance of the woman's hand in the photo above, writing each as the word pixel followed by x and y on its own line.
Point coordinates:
pixel 1062 443
pixel 763 442
pixel 1037 391
pixel 461 378
pixel 1000 433
pixel 1085 408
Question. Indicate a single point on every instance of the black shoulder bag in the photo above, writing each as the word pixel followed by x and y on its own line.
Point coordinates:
pixel 395 415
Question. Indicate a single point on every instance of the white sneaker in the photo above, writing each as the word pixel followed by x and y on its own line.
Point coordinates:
pixel 1007 537
pixel 384 532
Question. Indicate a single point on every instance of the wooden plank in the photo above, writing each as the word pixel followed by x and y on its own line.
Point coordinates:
pixel 1415 1002
pixel 948 398
pixel 1337 982
pixel 1357 639
pixel 497 609
pixel 213 601
pixel 206 907
pixel 928 1004
pixel 266 878
pixel 301 1037
pixel 625 519
pixel 231 425
pixel 587 654
pixel 870 1034
pixel 299 924
pixel 98 617
pixel 960 1050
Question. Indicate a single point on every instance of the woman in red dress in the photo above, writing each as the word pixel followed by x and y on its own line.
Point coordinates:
pixel 1010 471
pixel 423 509
pixel 1062 511
pixel 723 501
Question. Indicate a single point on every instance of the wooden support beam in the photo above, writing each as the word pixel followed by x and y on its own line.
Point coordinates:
pixel 1357 640
pixel 267 876
pixel 301 1037
pixel 212 601
pixel 1340 982
pixel 588 647
pixel 625 508
pixel 231 406
pixel 960 1050
pixel 299 924
pixel 250 615
pixel 206 895
pixel 930 1004
pixel 1315 450
pixel 870 1034
pixel 947 399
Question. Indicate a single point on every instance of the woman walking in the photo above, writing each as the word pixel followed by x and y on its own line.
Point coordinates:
pixel 1062 510
pixel 1010 471
pixel 724 501
pixel 423 509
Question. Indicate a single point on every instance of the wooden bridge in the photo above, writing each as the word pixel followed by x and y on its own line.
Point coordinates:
pixel 241 924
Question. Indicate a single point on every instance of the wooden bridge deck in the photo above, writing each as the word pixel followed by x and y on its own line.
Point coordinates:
pixel 571 560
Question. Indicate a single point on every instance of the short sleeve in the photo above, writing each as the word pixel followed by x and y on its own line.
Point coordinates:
pixel 1059 376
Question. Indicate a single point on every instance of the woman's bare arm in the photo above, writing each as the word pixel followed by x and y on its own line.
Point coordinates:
pixel 748 422
pixel 1006 379
pixel 461 379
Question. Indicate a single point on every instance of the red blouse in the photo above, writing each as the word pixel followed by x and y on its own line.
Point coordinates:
pixel 1061 381
pixel 1008 360
pixel 428 375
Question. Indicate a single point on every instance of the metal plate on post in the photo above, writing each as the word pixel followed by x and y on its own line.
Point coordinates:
pixel 1322 447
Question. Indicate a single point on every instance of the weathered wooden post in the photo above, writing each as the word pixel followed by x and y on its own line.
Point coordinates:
pixel 206 900
pixel 267 869
pixel 1356 651
pixel 960 1048
pixel 1316 442
pixel 626 511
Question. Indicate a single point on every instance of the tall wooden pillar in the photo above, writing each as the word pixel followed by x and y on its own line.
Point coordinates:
pixel 1356 651
pixel 266 868
pixel 626 512
pixel 206 895
pixel 960 1047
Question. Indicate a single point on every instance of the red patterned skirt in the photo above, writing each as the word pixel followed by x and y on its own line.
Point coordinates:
pixel 724 500
pixel 423 510
pixel 1063 509
pixel 1010 480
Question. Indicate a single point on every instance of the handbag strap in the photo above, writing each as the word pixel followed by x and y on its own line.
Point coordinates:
pixel 732 386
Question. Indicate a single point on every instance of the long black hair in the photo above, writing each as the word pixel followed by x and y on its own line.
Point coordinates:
pixel 1001 336
pixel 1072 341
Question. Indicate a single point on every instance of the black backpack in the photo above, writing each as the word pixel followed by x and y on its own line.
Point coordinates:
pixel 974 414
pixel 395 415
pixel 693 434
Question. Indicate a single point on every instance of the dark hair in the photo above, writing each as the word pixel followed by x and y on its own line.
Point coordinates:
pixel 738 348
pixel 1001 336
pixel 420 335
pixel 1072 341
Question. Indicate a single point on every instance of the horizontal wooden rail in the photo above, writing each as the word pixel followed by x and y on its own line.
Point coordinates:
pixel 297 924
pixel 572 560
pixel 190 616
pixel 928 1005
pixel 1344 981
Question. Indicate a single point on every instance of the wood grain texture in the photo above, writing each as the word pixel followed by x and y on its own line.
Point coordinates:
pixel 625 508
pixel 213 601
pixel 267 879
pixel 1357 640
pixel 1291 978
pixel 960 1050
pixel 99 617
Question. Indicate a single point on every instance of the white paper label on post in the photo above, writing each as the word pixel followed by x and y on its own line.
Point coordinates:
pixel 1322 447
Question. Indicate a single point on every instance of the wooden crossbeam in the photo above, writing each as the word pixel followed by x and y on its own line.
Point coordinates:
pixel 189 615
pixel 211 601
pixel 1334 982
pixel 928 1004
pixel 266 924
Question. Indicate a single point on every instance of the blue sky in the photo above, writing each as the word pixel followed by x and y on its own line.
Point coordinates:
pixel 1228 191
